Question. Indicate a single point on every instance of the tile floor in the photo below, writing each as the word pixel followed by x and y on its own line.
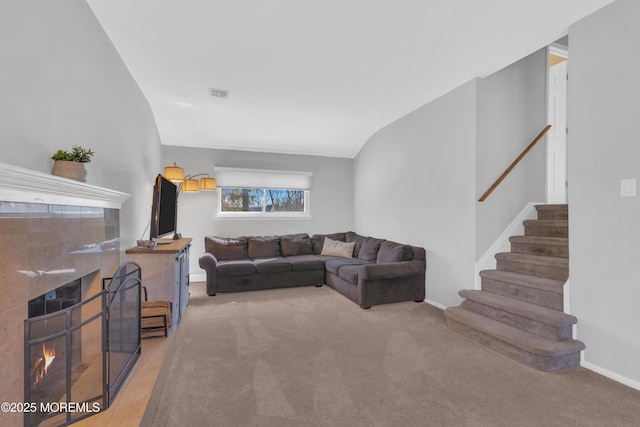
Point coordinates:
pixel 131 401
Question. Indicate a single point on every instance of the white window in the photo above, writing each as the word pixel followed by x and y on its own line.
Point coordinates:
pixel 257 193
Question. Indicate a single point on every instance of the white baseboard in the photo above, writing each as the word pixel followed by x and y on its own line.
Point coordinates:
pixel 197 277
pixel 488 261
pixel 435 304
pixel 566 296
pixel 612 375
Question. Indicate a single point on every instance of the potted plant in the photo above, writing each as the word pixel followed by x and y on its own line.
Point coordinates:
pixel 71 164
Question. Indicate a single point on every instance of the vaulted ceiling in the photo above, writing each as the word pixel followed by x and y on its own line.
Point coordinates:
pixel 315 77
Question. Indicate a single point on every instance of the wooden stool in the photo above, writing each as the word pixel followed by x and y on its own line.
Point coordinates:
pixel 156 317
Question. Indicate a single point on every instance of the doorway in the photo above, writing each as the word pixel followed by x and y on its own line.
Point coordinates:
pixel 558 56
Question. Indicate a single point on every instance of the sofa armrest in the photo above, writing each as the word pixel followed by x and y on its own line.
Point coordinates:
pixel 393 270
pixel 209 263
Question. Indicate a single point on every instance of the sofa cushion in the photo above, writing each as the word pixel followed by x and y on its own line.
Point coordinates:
pixel 318 240
pixel 337 248
pixel 306 262
pixel 264 247
pixel 393 252
pixel 272 265
pixel 224 248
pixel 350 273
pixel 333 265
pixel 357 239
pixel 369 249
pixel 235 268
pixel 296 244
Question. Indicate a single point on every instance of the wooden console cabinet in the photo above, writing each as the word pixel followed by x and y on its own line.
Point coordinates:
pixel 165 272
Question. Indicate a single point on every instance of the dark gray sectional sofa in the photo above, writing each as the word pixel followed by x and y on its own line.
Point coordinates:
pixel 379 271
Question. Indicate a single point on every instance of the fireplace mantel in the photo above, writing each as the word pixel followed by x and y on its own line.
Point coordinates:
pixel 27 186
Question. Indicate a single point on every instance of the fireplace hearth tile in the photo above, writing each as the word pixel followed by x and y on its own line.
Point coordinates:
pixel 13 271
pixel 12 366
pixel 12 223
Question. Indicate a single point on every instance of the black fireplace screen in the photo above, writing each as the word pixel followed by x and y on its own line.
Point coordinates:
pixel 77 358
pixel 123 325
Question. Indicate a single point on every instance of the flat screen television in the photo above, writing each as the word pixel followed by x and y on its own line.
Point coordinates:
pixel 164 208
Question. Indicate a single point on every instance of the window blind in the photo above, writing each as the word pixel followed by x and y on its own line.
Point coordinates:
pixel 262 178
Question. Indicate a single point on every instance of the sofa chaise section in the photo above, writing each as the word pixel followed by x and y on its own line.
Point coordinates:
pixel 385 272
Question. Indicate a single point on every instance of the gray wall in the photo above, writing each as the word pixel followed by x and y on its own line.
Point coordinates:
pixel 414 183
pixel 63 83
pixel 512 105
pixel 418 179
pixel 331 195
pixel 604 108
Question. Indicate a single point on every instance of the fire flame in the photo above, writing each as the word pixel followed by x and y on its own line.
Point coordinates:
pixel 42 363
pixel 49 354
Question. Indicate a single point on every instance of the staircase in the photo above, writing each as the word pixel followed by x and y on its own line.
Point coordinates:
pixel 519 311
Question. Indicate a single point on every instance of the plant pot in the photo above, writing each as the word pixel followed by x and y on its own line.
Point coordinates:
pixel 71 170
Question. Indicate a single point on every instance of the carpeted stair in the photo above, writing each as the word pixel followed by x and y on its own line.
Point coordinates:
pixel 519 311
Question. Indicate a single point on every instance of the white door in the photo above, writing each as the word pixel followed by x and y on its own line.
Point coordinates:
pixel 557 136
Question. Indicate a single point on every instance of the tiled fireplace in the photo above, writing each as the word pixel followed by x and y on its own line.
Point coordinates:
pixel 53 231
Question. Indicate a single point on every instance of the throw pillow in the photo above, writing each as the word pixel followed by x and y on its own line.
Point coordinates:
pixel 318 240
pixel 337 248
pixel 264 247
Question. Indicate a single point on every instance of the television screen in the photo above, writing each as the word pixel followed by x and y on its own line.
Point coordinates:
pixel 164 208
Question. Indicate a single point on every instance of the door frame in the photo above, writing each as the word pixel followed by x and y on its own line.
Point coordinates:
pixel 563 51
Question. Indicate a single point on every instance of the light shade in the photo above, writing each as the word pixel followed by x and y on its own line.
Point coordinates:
pixel 190 186
pixel 208 184
pixel 174 174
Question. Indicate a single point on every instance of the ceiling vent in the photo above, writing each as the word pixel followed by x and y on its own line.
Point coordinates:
pixel 218 93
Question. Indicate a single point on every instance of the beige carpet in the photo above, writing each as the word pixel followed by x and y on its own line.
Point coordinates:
pixel 310 357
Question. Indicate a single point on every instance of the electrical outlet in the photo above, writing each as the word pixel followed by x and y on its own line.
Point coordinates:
pixel 628 187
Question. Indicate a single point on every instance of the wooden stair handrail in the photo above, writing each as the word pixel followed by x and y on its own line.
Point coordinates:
pixel 515 162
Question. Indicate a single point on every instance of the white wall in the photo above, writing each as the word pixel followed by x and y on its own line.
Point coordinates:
pixel 414 183
pixel 604 135
pixel 331 195
pixel 63 83
pixel 511 109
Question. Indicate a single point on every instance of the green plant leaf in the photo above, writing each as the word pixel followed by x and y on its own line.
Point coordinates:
pixel 77 154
